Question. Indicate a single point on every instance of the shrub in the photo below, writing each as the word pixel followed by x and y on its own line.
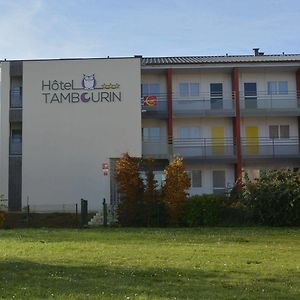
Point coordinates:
pixel 3 208
pixel 274 198
pixel 203 210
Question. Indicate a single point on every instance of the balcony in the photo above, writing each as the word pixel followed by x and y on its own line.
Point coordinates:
pixel 205 104
pixel 270 148
pixel 205 148
pixel 16 98
pixel 15 147
pixel 156 148
pixel 262 103
pixel 154 106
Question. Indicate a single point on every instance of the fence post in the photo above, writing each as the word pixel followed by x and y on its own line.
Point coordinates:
pixel 83 213
pixel 104 213
pixel 28 213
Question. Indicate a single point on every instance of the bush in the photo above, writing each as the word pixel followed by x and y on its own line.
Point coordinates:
pixel 274 198
pixel 3 207
pixel 2 219
pixel 203 210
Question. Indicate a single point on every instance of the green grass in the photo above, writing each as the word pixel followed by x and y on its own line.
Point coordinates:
pixel 202 263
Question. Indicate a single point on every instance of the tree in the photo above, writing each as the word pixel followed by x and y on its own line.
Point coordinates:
pixel 130 187
pixel 176 185
pixel 154 207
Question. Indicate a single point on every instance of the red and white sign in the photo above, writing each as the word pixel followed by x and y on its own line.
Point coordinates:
pixel 150 100
pixel 105 168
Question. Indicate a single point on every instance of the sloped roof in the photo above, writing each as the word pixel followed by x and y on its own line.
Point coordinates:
pixel 177 60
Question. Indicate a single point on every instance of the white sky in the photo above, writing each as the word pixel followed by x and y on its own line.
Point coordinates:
pixel 97 28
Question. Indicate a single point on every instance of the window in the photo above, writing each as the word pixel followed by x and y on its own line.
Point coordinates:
pixel 273 132
pixel 194 89
pixel 277 87
pixel 284 131
pixel 189 132
pixel 279 131
pixel 250 89
pixel 187 89
pixel 216 90
pixel 159 177
pixel 150 89
pixel 183 89
pixel 272 87
pixel 282 87
pixel 216 95
pixel 151 133
pixel 219 182
pixel 195 177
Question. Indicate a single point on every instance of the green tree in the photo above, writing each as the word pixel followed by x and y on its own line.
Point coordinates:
pixel 274 197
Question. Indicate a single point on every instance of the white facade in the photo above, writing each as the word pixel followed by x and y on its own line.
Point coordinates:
pixel 70 128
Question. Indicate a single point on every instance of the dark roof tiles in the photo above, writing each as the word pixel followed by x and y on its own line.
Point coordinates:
pixel 176 60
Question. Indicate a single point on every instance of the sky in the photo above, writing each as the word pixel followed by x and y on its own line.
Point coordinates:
pixel 32 29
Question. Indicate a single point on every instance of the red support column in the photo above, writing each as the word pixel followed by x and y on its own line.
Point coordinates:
pixel 170 109
pixel 237 122
pixel 298 101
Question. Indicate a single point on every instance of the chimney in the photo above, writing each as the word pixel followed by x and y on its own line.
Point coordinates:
pixel 256 51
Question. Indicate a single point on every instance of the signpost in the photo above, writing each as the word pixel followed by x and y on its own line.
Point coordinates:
pixel 105 169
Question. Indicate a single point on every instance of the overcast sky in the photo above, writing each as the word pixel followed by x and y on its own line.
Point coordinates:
pixel 98 28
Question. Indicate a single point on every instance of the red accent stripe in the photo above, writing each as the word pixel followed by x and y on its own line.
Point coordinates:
pixel 237 122
pixel 170 110
pixel 298 99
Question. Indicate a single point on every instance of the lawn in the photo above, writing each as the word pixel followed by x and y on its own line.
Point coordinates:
pixel 201 263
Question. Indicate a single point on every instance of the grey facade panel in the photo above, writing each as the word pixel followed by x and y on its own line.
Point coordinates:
pixel 15 184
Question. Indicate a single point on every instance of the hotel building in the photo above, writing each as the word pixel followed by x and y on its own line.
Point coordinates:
pixel 61 120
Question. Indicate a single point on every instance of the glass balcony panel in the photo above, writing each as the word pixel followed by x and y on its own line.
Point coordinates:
pixel 15 148
pixel 268 103
pixel 204 104
pixel 16 98
pixel 204 148
pixel 156 147
pixel 266 147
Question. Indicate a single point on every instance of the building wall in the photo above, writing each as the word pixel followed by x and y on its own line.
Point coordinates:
pixel 65 144
pixel 207 176
pixel 4 127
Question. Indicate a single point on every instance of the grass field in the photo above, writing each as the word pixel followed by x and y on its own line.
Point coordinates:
pixel 203 263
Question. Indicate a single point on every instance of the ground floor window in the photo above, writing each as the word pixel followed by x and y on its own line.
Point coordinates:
pixel 219 185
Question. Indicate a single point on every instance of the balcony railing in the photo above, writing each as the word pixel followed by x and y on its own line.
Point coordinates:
pixel 15 148
pixel 205 104
pixel 156 147
pixel 264 147
pixel 202 148
pixel 274 103
pixel 16 98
